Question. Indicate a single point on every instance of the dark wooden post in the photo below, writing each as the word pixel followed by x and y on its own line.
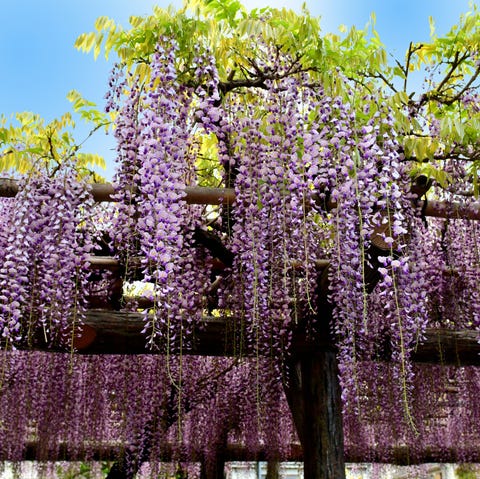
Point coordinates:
pixel 273 470
pixel 213 469
pixel 312 385
pixel 313 393
pixel 312 388
pixel 323 447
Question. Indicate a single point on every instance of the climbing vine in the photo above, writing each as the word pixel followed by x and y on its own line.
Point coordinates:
pixel 332 166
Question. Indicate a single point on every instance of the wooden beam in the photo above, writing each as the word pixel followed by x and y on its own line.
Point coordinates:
pixel 397 455
pixel 118 332
pixel 104 192
pixel 114 332
pixel 111 263
pixel 216 196
pixel 444 346
pixel 454 210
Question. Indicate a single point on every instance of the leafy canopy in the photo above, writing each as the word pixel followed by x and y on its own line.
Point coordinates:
pixel 441 121
pixel 29 144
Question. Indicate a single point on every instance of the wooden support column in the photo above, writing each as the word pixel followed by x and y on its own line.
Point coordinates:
pixel 213 469
pixel 127 466
pixel 313 393
pixel 273 470
pixel 323 447
pixel 312 389
pixel 312 382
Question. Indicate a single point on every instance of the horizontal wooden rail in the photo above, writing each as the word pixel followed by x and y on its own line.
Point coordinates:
pixel 454 210
pixel 116 332
pixel 104 192
pixel 216 196
pixel 397 455
pixel 111 263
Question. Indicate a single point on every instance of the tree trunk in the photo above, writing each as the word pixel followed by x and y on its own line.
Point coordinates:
pixel 323 447
pixel 313 393
pixel 213 469
pixel 273 470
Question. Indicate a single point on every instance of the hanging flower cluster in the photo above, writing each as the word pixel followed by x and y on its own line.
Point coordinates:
pixel 44 260
pixel 101 407
pixel 445 415
pixel 378 279
pixel 316 182
pixel 313 180
pixel 126 178
pixel 157 159
pixel 271 159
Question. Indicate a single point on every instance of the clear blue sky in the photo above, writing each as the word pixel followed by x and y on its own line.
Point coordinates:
pixel 40 64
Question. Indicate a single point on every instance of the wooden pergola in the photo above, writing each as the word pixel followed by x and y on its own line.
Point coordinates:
pixel 313 393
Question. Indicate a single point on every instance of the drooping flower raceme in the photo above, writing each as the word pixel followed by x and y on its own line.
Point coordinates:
pixel 315 179
pixel 44 267
pixel 158 156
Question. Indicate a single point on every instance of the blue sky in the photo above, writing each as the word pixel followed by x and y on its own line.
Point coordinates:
pixel 40 64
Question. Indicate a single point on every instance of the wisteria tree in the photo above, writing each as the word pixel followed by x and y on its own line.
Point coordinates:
pixel 289 242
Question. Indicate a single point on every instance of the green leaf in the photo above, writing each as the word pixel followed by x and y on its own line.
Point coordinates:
pixel 459 129
pixel 432 172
